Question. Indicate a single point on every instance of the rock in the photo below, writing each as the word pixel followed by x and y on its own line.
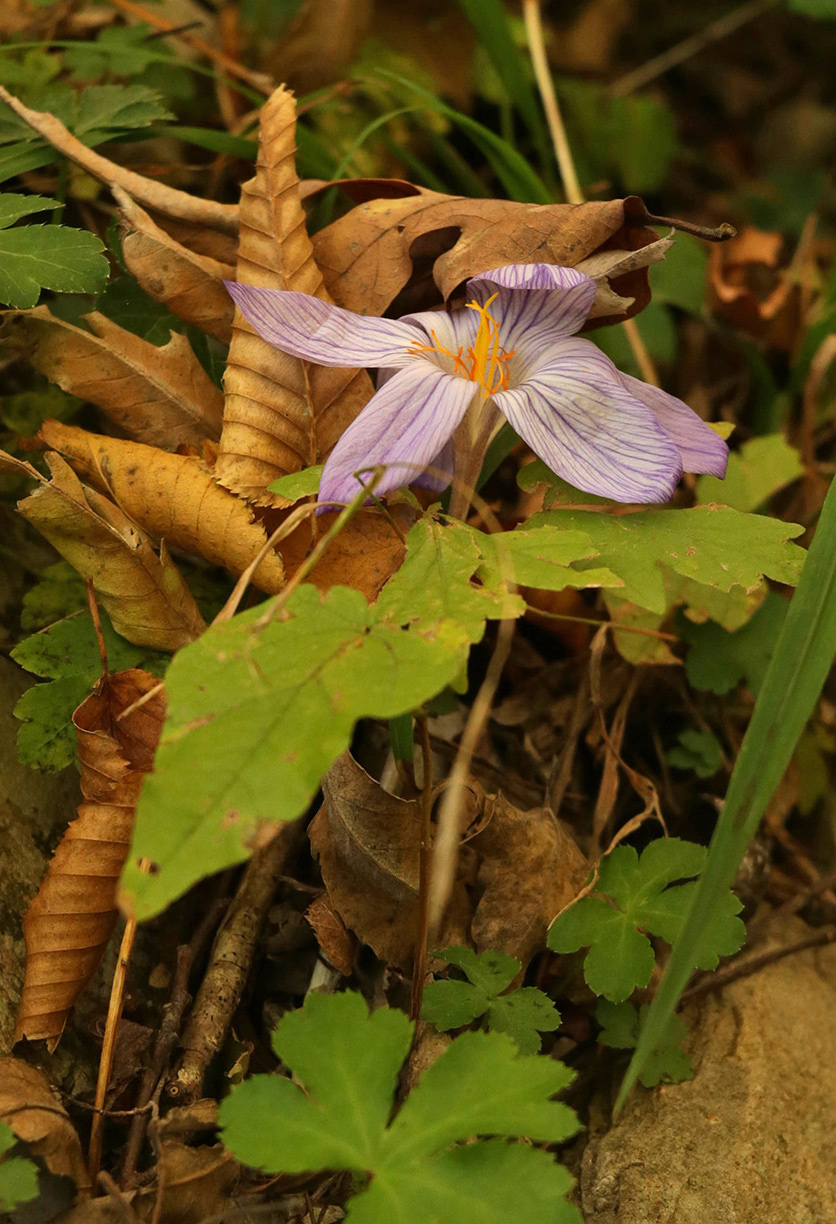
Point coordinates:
pixel 35 809
pixel 750 1139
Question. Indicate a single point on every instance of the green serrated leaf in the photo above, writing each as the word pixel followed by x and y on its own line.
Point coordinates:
pixel 35 257
pixel 451 1004
pixel 697 750
pixel 524 1014
pixel 67 655
pixel 117 49
pixel 620 957
pixel 14 206
pixel 18 1175
pixel 491 971
pixel 621 1025
pixel 718 660
pixel 349 1062
pixel 298 484
pixel 102 110
pixel 58 593
pixel 717 547
pixel 759 469
pixel 543 557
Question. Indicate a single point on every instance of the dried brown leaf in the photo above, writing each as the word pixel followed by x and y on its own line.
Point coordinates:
pixel 70 921
pixel 367 842
pixel 364 555
pixel 172 497
pixel 753 290
pixel 148 192
pixel 35 1114
pixel 335 942
pixel 280 414
pixel 320 42
pixel 161 396
pixel 144 594
pixel 431 243
pixel 531 867
pixel 190 285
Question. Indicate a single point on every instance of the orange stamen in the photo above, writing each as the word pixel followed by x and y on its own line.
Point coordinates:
pixel 486 362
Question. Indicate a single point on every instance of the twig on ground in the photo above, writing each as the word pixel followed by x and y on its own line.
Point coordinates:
pixel 232 955
pixel 719 978
pixel 114 1013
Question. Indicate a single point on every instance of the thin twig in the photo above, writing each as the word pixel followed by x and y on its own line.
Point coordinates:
pixel 446 850
pixel 542 74
pixel 419 964
pixel 566 165
pixel 114 1013
pixel 637 78
pixel 97 623
pixel 746 967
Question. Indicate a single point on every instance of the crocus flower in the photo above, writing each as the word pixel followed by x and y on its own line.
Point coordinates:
pixel 448 378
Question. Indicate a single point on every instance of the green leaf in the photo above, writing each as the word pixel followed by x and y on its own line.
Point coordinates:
pixel 298 484
pixel 67 655
pixel 621 1025
pixel 523 1014
pixel 26 412
pixel 14 206
pixel 102 110
pixel 349 1062
pixel 821 10
pixel 717 660
pixel 18 1175
pixel 715 547
pixel 679 279
pixel 120 50
pixel 656 328
pixel 35 257
pixel 542 557
pixel 620 957
pixel 127 304
pixel 697 750
pixel 760 468
pixel 259 708
pixel 59 592
pixel 802 660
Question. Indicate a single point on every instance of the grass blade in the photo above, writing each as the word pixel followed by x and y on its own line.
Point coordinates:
pixel 803 657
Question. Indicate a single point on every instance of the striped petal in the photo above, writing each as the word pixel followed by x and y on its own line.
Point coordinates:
pixel 589 428
pixel 405 426
pixel 307 327
pixel 540 302
pixel 700 448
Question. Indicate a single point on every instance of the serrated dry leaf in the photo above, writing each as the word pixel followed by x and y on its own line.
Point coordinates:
pixel 144 594
pixel 367 842
pixel 281 414
pixel 69 923
pixel 156 196
pixel 190 285
pixel 35 1114
pixel 364 555
pixel 432 243
pixel 161 396
pixel 173 498
pixel 531 867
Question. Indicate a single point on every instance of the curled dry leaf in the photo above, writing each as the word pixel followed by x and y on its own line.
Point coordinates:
pixel 161 396
pixel 531 868
pixel 35 1114
pixel 367 842
pixel 153 195
pixel 431 243
pixel 336 944
pixel 144 594
pixel 750 287
pixel 281 414
pixel 320 43
pixel 173 498
pixel 71 919
pixel 190 285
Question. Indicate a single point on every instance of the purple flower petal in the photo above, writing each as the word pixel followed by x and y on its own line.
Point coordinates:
pixel 439 473
pixel 701 449
pixel 540 302
pixel 307 327
pixel 405 426
pixel 590 429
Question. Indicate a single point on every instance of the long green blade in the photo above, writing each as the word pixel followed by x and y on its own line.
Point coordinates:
pixel 803 657
pixel 493 29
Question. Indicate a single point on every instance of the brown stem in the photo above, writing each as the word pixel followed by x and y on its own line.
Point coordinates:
pixel 114 1013
pixel 745 968
pixel 419 966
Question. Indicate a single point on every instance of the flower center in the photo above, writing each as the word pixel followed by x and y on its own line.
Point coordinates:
pixel 486 361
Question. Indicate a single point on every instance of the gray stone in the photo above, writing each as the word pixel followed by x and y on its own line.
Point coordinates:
pixel 751 1139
